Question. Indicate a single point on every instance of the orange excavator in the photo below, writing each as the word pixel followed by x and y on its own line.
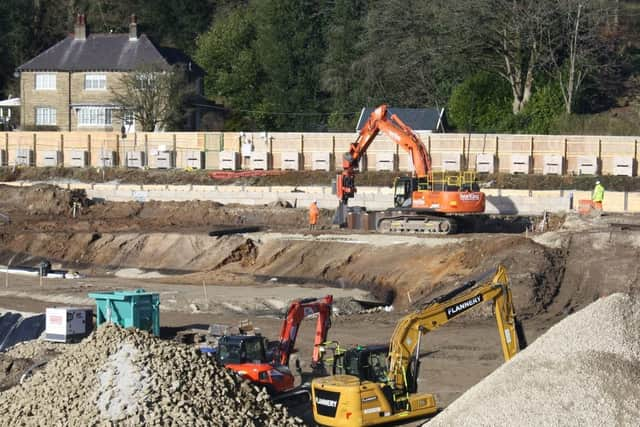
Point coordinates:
pixel 247 354
pixel 426 202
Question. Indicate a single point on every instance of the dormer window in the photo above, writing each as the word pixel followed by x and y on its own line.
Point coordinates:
pixel 45 81
pixel 95 82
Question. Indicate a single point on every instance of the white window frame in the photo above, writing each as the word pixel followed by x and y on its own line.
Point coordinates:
pixel 45 81
pixel 45 116
pixel 95 82
pixel 94 117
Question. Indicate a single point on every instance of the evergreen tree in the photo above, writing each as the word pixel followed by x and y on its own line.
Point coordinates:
pixel 228 55
pixel 345 42
pixel 290 49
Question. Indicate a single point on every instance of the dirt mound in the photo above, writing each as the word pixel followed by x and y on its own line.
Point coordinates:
pixel 584 371
pixel 40 199
pixel 128 377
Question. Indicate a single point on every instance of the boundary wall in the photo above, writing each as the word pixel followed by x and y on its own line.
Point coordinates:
pixel 499 201
pixel 606 150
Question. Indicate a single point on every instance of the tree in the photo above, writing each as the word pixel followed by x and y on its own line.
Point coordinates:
pixel 345 37
pixel 234 75
pixel 156 96
pixel 480 104
pixel 503 36
pixel 405 61
pixel 289 48
pixel 574 46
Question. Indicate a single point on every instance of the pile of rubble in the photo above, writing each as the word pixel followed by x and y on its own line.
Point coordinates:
pixel 583 371
pixel 127 377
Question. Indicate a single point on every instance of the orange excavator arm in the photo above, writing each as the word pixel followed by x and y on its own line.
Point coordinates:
pixel 398 132
pixel 299 310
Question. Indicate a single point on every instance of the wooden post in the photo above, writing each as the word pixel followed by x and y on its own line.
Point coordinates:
pixel 565 157
pixel 6 147
pixel 62 149
pixel 117 159
pixel 599 163
pixel 35 152
pixel 146 149
pixel 464 140
pixel 89 149
pixel 532 163
pixel 635 155
pixel 333 150
pixel 174 152
pixel 497 159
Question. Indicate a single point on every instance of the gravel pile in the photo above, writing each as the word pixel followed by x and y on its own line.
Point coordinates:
pixel 127 377
pixel 584 371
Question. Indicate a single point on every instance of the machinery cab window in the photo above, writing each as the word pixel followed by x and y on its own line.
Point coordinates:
pixel 237 350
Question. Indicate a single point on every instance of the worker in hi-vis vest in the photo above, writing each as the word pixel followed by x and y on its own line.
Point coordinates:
pixel 598 195
pixel 314 214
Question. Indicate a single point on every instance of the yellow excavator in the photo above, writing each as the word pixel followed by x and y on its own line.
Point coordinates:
pixel 365 390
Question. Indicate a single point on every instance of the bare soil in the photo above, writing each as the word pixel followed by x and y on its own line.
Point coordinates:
pixel 165 247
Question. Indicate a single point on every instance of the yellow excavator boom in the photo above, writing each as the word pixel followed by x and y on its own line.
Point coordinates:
pixel 491 286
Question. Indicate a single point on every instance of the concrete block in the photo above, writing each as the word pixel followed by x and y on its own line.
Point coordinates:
pixel 451 162
pixel 322 161
pixel 24 157
pixel 623 166
pixel 164 159
pixel 386 161
pixel 553 164
pixel 154 187
pixel 291 160
pixel 228 160
pixel 51 158
pixel 520 163
pixel 135 159
pixel 485 163
pixel 179 188
pixel 78 159
pixel 194 159
pixel 260 160
pixel 106 159
pixel 588 165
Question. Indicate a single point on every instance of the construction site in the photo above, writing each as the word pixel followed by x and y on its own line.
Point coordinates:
pixel 283 313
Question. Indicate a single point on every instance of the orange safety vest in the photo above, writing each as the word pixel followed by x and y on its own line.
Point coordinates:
pixel 314 213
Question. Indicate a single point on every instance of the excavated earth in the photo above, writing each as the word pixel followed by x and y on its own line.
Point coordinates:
pixel 165 247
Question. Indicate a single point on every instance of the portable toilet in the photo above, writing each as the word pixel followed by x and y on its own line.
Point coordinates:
pixel 137 308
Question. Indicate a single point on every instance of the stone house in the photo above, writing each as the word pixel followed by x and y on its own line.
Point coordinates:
pixel 68 86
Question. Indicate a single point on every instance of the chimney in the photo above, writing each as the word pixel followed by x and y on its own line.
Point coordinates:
pixel 133 28
pixel 80 29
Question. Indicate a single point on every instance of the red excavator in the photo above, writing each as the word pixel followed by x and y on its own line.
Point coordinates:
pixel 247 354
pixel 426 202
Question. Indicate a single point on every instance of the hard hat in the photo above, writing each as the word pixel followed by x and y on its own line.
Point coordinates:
pixel 315 201
pixel 597 182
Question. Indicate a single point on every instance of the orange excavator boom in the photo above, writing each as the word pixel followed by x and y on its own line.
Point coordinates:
pixel 299 310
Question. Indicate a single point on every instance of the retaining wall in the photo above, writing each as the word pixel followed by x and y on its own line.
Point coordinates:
pixel 373 198
pixel 503 146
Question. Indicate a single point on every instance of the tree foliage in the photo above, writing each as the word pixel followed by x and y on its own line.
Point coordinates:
pixel 313 64
pixel 155 96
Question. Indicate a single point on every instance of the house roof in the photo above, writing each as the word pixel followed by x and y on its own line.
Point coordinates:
pixel 418 119
pixel 105 52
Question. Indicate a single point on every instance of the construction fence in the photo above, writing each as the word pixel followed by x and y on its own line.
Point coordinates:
pixel 548 154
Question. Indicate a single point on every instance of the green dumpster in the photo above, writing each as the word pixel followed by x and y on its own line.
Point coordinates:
pixel 137 308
